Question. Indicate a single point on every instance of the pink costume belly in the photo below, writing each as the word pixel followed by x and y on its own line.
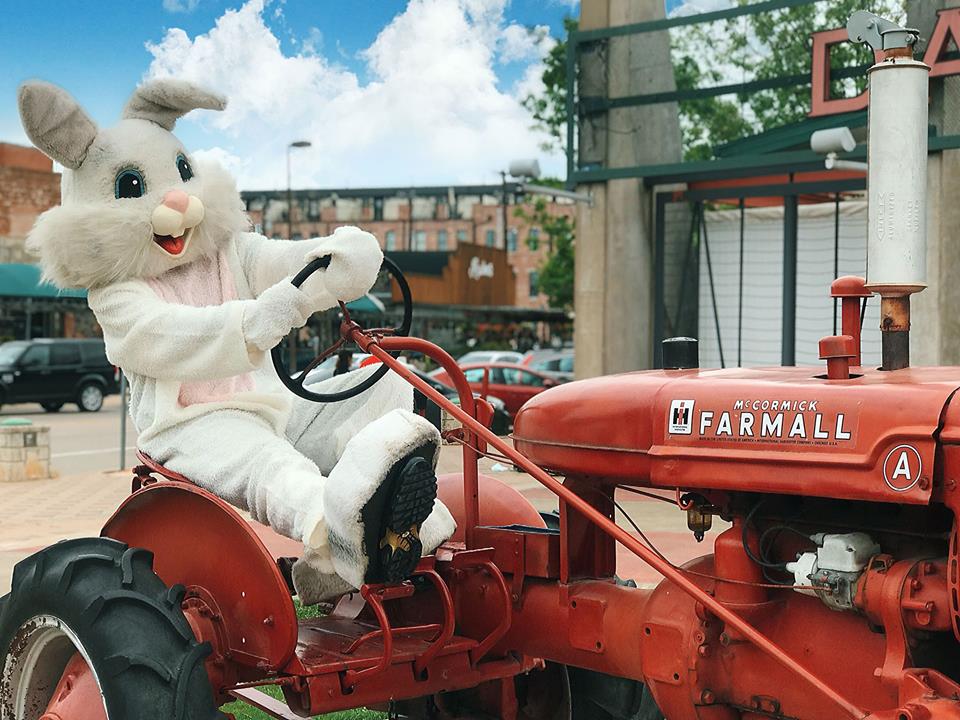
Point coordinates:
pixel 203 282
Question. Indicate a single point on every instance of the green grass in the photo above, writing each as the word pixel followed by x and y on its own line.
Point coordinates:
pixel 242 711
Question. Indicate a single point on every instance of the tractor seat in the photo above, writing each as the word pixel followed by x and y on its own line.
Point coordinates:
pixel 148 465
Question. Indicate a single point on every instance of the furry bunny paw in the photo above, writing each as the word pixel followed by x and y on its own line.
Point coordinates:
pixel 277 311
pixel 355 259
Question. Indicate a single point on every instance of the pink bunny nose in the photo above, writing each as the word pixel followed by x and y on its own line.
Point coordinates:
pixel 176 200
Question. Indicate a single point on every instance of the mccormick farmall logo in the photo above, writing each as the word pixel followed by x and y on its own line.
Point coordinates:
pixel 796 422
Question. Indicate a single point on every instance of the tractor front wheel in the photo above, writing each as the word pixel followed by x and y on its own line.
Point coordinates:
pixel 97 599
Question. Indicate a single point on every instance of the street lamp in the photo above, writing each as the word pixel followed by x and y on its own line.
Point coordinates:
pixel 292 345
pixel 526 170
pixel 294 144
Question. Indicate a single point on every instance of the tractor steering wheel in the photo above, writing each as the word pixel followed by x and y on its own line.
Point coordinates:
pixel 296 385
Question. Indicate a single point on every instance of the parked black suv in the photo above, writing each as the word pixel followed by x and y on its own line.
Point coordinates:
pixel 54 372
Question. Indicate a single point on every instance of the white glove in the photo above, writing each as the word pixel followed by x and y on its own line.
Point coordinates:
pixel 355 259
pixel 278 310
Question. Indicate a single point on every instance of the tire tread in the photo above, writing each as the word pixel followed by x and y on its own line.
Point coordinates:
pixel 148 661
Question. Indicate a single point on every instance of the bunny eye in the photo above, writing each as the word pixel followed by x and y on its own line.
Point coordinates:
pixel 129 184
pixel 186 172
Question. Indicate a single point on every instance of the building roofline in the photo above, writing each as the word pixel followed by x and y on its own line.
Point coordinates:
pixel 398 191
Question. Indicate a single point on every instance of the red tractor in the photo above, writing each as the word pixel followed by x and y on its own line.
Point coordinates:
pixel 833 593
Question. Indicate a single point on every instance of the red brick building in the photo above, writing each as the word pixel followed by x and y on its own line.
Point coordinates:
pixel 418 219
pixel 28 186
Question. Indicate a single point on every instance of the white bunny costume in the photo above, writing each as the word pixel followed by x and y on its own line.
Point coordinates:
pixel 190 304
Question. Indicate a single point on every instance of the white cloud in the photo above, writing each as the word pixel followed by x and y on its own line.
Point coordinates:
pixel 234 164
pixel 431 113
pixel 523 44
pixel 180 6
pixel 313 43
pixel 695 7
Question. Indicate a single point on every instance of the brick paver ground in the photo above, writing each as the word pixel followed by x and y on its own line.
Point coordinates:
pixel 37 513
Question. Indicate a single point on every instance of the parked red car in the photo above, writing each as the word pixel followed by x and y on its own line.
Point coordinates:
pixel 513 384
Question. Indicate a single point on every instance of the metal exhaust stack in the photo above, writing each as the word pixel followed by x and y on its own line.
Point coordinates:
pixel 896 178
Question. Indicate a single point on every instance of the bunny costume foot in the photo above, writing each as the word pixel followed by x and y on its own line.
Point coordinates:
pixel 190 302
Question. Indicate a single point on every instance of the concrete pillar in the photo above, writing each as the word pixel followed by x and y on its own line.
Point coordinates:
pixel 935 321
pixel 614 283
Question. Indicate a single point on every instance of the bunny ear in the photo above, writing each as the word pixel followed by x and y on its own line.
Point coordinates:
pixel 163 101
pixel 56 123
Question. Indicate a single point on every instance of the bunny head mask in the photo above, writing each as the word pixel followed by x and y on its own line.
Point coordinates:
pixel 134 203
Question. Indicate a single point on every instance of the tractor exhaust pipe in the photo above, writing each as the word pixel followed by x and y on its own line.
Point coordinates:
pixel 896 178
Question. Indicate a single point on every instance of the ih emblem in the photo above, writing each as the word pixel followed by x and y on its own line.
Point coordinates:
pixel 902 467
pixel 681 417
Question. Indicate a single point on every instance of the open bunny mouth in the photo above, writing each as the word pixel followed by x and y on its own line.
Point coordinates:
pixel 173 246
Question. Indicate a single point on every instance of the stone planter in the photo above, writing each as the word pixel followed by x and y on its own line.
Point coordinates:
pixel 24 451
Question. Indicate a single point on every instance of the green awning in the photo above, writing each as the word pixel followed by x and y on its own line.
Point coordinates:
pixel 366 304
pixel 19 280
pixel 23 281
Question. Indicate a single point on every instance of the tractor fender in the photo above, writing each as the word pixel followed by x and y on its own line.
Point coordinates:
pixel 201 542
pixel 500 504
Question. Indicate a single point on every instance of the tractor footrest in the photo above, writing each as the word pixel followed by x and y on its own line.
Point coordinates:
pixel 334 644
pixel 341 664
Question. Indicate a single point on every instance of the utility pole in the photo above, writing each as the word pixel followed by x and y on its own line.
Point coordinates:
pixel 295 144
pixel 503 207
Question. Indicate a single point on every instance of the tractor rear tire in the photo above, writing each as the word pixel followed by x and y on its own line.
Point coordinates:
pixel 101 598
pixel 597 696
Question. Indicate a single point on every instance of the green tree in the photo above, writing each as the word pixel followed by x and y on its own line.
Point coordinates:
pixel 549 112
pixel 758 47
pixel 549 109
pixel 556 271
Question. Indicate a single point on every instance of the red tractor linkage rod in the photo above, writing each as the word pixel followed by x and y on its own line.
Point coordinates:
pixel 382 347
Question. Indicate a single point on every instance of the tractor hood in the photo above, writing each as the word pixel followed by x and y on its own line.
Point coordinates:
pixel 870 437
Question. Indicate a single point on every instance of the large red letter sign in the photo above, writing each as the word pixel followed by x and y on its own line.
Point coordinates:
pixel 820 101
pixel 948 26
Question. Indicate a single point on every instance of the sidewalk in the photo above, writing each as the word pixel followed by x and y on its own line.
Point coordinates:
pixel 38 513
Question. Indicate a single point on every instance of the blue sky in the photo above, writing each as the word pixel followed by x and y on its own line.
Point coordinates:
pixel 389 91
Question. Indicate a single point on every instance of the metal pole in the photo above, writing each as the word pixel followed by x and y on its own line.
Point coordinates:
pixel 788 349
pixel 836 251
pixel 292 338
pixel 743 215
pixel 571 63
pixel 713 291
pixel 123 421
pixel 503 207
pixel 659 263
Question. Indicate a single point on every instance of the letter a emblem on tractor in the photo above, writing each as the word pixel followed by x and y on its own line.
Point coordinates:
pixel 902 468
pixel 680 421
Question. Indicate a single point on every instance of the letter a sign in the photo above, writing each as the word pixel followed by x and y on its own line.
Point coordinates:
pixel 902 468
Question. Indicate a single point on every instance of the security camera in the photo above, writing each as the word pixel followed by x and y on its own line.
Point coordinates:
pixel 529 168
pixel 832 140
